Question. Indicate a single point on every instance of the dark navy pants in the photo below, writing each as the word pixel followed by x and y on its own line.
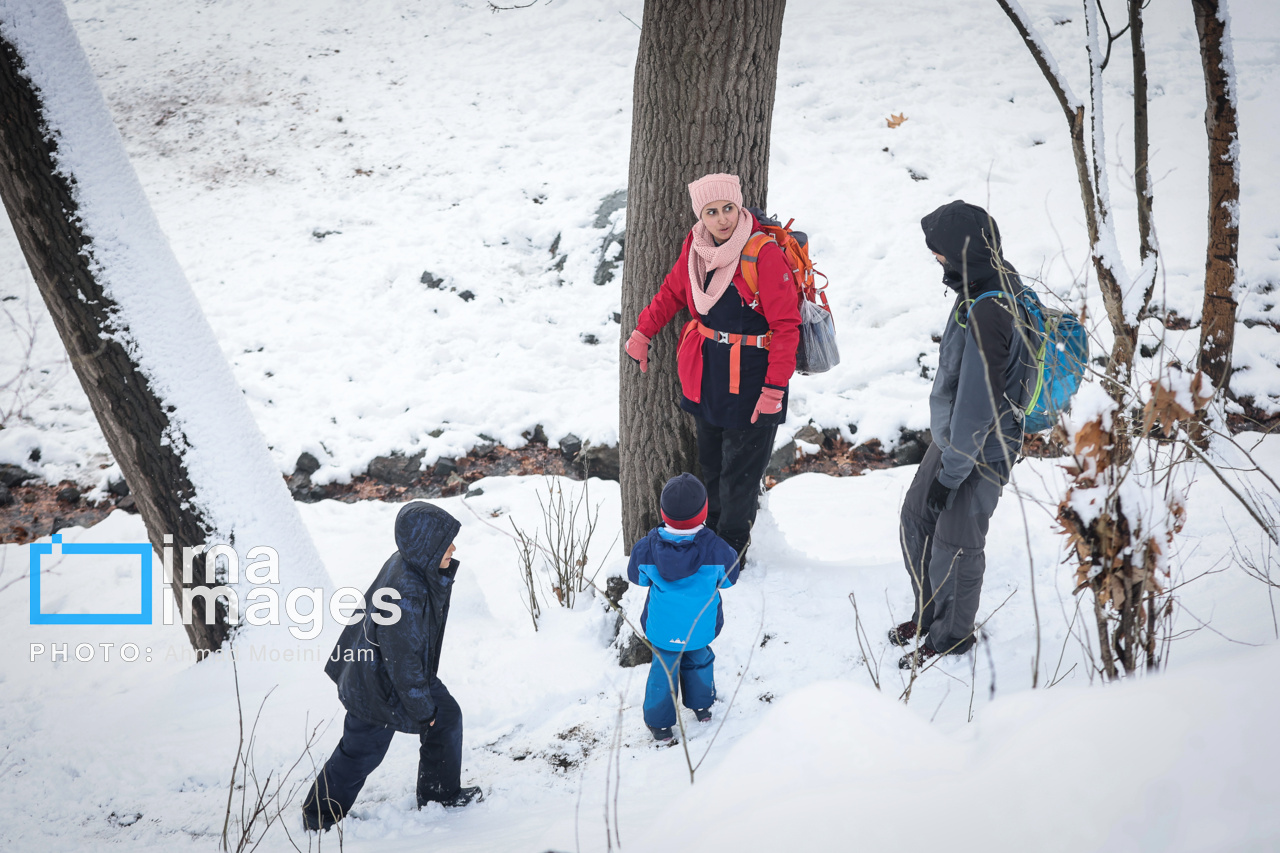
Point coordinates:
pixel 365 744
pixel 693 674
pixel 733 463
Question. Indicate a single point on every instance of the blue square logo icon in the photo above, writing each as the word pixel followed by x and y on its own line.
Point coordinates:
pixel 56 547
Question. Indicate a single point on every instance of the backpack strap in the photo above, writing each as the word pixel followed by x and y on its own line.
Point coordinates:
pixel 968 304
pixel 750 255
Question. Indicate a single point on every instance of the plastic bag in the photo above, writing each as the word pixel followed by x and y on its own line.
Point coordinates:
pixel 817 352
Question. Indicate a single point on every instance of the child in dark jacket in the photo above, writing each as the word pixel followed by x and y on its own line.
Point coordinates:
pixel 685 565
pixel 386 672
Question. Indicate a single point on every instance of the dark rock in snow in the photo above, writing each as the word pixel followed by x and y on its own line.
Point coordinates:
pixel 69 495
pixel 810 435
pixel 431 281
pixel 475 492
pixel 6 496
pixel 570 445
pixel 634 652
pixel 781 458
pixel 445 465
pixel 610 204
pixel 617 317
pixel 12 475
pixel 911 447
pixel 466 296
pixel 119 488
pixel 615 588
pixel 306 464
pixel 601 460
pixel 537 436
pixel 588 339
pixel 127 504
pixel 397 468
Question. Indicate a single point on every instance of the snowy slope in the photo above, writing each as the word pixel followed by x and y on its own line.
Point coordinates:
pixel 446 139
pixel 807 747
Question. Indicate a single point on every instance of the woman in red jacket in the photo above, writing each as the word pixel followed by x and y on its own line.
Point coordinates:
pixel 736 356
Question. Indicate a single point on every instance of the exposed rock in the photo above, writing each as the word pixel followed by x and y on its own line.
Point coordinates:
pixel 119 488
pixel 781 458
pixel 6 496
pixel 69 495
pixel 12 475
pixel 634 652
pixel 537 435
pixel 475 492
pixel 601 460
pixel 397 468
pixel 810 435
pixel 128 505
pixel 589 339
pixel 911 447
pixel 466 296
pixel 609 205
pixel 431 281
pixel 570 445
pixel 444 465
pixel 306 464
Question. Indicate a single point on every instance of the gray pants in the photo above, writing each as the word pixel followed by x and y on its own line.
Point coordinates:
pixel 943 551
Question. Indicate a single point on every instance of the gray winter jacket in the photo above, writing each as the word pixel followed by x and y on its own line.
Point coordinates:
pixel 984 362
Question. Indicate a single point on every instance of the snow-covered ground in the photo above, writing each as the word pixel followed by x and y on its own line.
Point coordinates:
pixel 442 138
pixel 810 755
pixel 446 139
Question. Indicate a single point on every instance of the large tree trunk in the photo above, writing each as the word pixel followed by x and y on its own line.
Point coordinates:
pixel 1218 320
pixel 703 102
pixel 162 393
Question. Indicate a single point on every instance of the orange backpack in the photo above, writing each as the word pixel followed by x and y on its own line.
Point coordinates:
pixel 817 351
pixel 795 248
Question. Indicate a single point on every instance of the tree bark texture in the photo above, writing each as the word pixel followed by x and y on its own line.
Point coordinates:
pixel 133 418
pixel 1218 319
pixel 705 77
pixel 1141 135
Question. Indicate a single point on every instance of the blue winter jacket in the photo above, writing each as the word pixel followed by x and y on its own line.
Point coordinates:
pixel 685 575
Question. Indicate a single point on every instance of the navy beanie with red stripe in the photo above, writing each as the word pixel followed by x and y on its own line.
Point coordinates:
pixel 684 502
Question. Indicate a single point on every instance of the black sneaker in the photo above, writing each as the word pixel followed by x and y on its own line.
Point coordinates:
pixel 703 714
pixel 661 735
pixel 917 658
pixel 902 635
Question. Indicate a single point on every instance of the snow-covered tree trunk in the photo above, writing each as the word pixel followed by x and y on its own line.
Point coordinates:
pixel 164 395
pixel 703 102
pixel 1218 319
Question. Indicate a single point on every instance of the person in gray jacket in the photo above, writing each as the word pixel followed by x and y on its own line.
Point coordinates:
pixel 975 408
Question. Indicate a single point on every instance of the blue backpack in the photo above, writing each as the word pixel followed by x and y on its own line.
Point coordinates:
pixel 1061 349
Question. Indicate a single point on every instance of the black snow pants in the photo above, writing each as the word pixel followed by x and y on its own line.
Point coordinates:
pixel 943 551
pixel 733 463
pixel 365 744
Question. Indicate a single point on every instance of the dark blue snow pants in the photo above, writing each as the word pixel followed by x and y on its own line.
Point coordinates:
pixel 693 673
pixel 363 747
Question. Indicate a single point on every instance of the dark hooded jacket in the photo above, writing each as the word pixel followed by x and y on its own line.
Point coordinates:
pixel 984 362
pixel 386 677
pixel 685 574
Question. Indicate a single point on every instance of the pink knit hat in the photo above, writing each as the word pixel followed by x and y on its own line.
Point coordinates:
pixel 717 187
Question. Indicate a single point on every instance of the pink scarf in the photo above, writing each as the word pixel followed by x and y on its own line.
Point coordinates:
pixel 704 254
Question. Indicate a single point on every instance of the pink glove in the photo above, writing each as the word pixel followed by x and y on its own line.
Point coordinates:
pixel 770 403
pixel 638 348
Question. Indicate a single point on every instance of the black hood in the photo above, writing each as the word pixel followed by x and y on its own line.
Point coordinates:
pixel 968 237
pixel 423 533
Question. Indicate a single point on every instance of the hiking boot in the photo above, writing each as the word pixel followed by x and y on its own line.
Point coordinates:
pixel 902 635
pixel 320 818
pixel 464 797
pixel 703 714
pixel 661 735
pixel 917 658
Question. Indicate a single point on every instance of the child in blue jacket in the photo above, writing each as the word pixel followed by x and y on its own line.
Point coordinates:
pixel 685 565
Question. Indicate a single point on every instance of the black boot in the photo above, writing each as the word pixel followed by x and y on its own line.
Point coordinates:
pixel 902 635
pixel 464 797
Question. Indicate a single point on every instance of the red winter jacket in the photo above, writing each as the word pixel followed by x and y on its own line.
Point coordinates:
pixel 778 304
